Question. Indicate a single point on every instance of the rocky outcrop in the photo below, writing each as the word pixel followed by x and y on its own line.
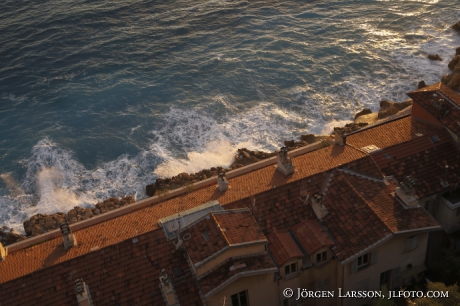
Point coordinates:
pixel 365 111
pixel 388 108
pixel 40 223
pixel 421 84
pixel 456 26
pixel 9 236
pixel 452 80
pixel 434 57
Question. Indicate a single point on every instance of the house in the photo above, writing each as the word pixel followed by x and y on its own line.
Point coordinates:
pixel 351 217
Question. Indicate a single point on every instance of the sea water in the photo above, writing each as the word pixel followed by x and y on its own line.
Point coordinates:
pixel 99 98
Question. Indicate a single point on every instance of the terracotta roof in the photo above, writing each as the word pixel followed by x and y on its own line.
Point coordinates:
pixel 282 247
pixel 391 212
pixel 390 133
pixel 116 230
pixel 260 264
pixel 424 97
pixel 121 274
pixel 352 223
pixel 424 160
pixel 218 230
pixel 311 236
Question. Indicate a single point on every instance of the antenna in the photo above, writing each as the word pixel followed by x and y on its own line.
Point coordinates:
pixel 304 193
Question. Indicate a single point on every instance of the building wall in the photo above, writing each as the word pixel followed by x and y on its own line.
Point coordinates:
pixel 319 277
pixel 231 252
pixel 390 256
pixel 447 218
pixel 261 290
pixel 421 113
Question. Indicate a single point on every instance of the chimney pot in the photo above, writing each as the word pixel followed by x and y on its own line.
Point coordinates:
pixel 284 162
pixel 82 292
pixel 222 183
pixel 69 238
pixel 340 137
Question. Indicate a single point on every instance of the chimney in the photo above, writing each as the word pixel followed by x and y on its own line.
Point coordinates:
pixel 284 162
pixel 407 191
pixel 167 289
pixel 69 238
pixel 3 252
pixel 340 137
pixel 222 183
pixel 444 182
pixel 82 292
pixel 317 205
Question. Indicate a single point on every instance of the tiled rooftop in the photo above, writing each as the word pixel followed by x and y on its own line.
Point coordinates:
pixel 390 133
pixel 125 273
pixel 283 247
pixel 223 275
pixel 425 160
pixel 424 97
pixel 391 212
pixel 351 222
pixel 311 236
pixel 219 230
pixel 116 230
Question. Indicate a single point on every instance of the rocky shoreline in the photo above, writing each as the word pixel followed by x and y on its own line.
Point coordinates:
pixel 41 223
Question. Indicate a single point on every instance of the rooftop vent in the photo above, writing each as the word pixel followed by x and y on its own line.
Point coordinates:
pixel 284 162
pixel 69 238
pixel 371 149
pixel 434 138
pixel 173 223
pixel 82 292
pixel 3 252
pixel 340 137
pixel 407 190
pixel 222 183
pixel 317 205
pixel 167 289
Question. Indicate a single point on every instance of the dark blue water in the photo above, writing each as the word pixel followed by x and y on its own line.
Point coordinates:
pixel 97 98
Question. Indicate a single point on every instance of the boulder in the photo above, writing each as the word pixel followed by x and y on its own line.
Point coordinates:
pixel 457 51
pixel 388 108
pixel 365 111
pixel 453 63
pixel 308 138
pixel 434 57
pixel 289 143
pixel 456 26
pixel 421 84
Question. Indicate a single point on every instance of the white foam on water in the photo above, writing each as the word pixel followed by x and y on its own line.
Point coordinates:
pixel 215 154
pixel 56 182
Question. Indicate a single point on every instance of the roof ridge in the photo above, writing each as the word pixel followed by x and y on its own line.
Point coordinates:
pixel 379 124
pixel 220 229
pixel 346 170
pixel 367 203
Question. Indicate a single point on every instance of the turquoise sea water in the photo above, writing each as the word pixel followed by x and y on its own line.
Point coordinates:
pixel 97 98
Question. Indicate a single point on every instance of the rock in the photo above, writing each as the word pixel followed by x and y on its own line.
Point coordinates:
pixel 365 111
pixel 388 108
pixel 456 26
pixel 457 51
pixel 454 62
pixel 421 84
pixel 309 138
pixel 37 230
pixel 454 82
pixel 434 57
pixel 289 143
pixel 9 236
